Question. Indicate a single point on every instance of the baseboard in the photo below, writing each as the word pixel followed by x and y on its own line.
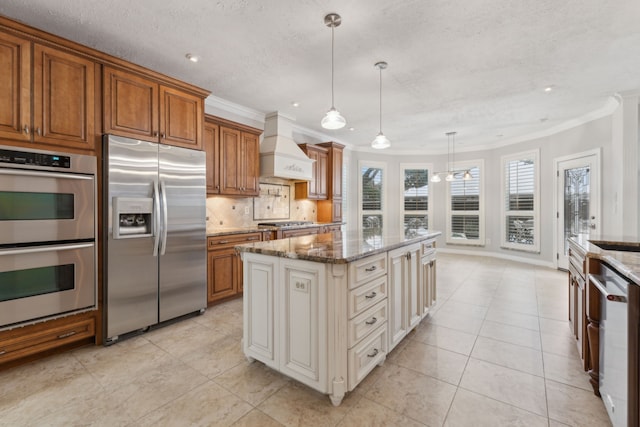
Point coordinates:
pixel 524 260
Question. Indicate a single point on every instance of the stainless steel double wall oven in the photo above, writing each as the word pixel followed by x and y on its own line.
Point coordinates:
pixel 47 234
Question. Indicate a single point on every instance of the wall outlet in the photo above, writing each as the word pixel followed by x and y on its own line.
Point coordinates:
pixel 246 210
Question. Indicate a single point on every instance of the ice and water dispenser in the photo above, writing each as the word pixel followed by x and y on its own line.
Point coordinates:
pixel 132 217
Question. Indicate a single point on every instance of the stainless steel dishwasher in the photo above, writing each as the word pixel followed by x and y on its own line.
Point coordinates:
pixel 614 348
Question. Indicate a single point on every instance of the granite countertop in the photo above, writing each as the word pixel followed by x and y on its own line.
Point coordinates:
pixel 225 231
pixel 335 248
pixel 625 262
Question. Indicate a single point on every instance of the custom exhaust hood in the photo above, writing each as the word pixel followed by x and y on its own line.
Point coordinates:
pixel 280 156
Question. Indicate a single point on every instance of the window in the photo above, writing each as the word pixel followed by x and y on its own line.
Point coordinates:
pixel 416 208
pixel 520 219
pixel 372 188
pixel 465 206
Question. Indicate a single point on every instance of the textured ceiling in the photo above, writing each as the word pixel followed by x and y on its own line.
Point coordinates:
pixel 477 67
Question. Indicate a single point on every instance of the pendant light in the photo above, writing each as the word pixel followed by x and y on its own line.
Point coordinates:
pixel 333 119
pixel 451 173
pixel 381 141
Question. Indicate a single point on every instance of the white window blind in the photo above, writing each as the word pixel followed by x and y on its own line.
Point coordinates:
pixel 465 210
pixel 520 228
pixel 371 197
pixel 415 209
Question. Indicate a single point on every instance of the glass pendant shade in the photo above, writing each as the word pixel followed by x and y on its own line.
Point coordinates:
pixel 381 142
pixel 467 176
pixel 333 120
pixel 436 178
pixel 450 177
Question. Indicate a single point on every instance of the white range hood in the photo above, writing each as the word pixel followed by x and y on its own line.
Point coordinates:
pixel 280 156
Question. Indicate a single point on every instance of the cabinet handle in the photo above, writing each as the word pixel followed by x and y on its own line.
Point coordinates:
pixel 68 334
pixel 372 321
pixel 3 352
pixel 370 269
pixel 252 238
pixel 374 354
pixel 222 242
pixel 408 255
pixel 371 295
pixel 38 131
pixel 162 135
pixel 26 129
pixel 217 187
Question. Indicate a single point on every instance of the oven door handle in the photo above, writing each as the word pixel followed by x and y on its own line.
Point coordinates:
pixel 156 219
pixel 165 219
pixel 598 283
pixel 45 174
pixel 33 250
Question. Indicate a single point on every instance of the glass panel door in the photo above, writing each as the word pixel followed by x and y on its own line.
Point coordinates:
pixel 577 195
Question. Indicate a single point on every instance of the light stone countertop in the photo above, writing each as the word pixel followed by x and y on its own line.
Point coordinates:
pixel 335 248
pixel 225 231
pixel 626 263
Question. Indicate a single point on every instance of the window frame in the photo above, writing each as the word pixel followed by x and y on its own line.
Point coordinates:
pixel 480 213
pixel 429 211
pixel 383 196
pixel 504 212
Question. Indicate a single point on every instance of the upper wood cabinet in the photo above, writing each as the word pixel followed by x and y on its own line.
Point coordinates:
pixel 233 158
pixel 316 188
pixel 142 108
pixel 330 210
pixel 58 107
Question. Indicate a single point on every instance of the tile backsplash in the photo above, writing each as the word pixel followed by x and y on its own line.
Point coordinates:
pixel 232 212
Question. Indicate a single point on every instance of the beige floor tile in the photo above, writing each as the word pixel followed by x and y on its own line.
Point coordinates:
pixel 563 345
pixel 367 413
pixel 512 318
pixel 433 361
pixel 507 385
pixel 554 423
pixel 556 327
pixel 566 370
pixel 480 298
pixel 574 406
pixel 256 418
pixel 462 308
pixel 184 337
pixel 445 338
pixel 511 334
pixel 523 307
pixel 298 405
pixel 252 382
pixel 472 409
pixel 556 311
pixel 207 404
pixel 458 322
pixel 513 356
pixel 414 395
pixel 216 357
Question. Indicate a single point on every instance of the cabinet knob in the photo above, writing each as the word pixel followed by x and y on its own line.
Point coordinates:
pixel 3 352
pixel 38 131
pixel 162 135
pixel 26 129
pixel 155 133
pixel 217 187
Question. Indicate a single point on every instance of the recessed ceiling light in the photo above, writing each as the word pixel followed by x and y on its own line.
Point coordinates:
pixel 549 88
pixel 544 119
pixel 352 129
pixel 499 135
pixel 295 104
pixel 191 57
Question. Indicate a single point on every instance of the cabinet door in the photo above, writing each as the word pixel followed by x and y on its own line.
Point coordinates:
pixel 15 88
pixel 336 173
pixel 428 283
pixel 63 98
pixel 212 150
pixel 321 175
pixel 130 105
pixel 222 269
pixel 230 162
pixel 397 297
pixel 251 164
pixel 414 303
pixel 181 117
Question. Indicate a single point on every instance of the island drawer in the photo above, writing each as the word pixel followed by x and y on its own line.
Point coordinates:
pixel 366 296
pixel 365 323
pixel 366 269
pixel 366 355
pixel 230 240
pixel 428 247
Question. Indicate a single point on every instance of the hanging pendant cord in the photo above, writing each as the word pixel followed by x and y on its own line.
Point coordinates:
pixel 380 98
pixel 333 25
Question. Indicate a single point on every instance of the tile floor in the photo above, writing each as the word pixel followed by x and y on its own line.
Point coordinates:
pixel 496 351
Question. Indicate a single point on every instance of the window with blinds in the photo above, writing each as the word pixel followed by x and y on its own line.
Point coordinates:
pixel 371 197
pixel 520 221
pixel 465 206
pixel 415 210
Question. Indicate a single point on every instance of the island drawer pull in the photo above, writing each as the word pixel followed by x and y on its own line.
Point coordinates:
pixel 370 269
pixel 67 335
pixel 222 242
pixel 372 321
pixel 374 354
pixel 253 238
pixel 371 295
pixel 3 352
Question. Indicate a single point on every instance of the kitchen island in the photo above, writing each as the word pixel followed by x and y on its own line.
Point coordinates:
pixel 326 309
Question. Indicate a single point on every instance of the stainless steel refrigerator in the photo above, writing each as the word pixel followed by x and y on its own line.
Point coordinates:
pixel 155 259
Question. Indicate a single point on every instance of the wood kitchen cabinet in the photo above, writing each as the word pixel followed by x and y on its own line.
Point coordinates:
pixel 233 158
pixel 224 266
pixel 140 107
pixel 316 188
pixel 578 301
pixel 46 95
pixel 330 210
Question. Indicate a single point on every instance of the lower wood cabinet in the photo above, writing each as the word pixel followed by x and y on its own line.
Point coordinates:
pixel 224 267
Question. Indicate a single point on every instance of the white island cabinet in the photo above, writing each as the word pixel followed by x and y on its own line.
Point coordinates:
pixel 325 310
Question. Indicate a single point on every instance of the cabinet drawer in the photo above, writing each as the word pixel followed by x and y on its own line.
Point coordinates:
pixel 366 269
pixel 366 296
pixel 45 339
pixel 366 355
pixel 220 242
pixel 428 247
pixel 365 323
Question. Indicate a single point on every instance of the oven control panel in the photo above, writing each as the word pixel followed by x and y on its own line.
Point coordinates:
pixel 34 159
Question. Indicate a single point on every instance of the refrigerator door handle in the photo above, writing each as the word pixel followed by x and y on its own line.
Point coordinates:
pixel 165 219
pixel 156 220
